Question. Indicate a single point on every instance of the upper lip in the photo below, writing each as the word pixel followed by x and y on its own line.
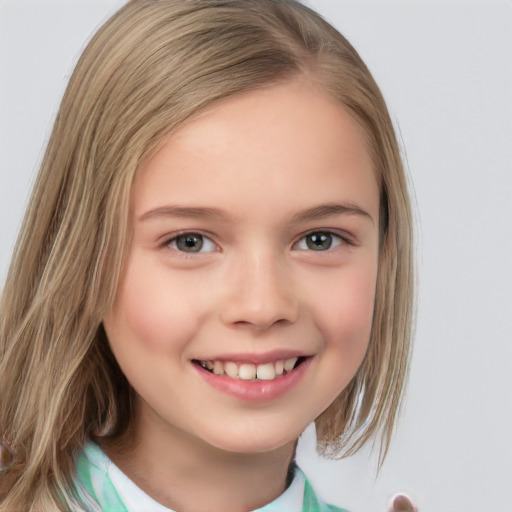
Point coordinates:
pixel 265 357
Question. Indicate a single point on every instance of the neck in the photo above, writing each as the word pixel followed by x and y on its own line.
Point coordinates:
pixel 186 474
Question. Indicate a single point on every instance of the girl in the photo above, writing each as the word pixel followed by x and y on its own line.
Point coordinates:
pixel 216 253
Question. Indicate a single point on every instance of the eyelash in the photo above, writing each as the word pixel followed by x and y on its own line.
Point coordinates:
pixel 336 240
pixel 172 242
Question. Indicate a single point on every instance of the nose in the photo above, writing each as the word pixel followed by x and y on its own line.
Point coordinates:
pixel 259 293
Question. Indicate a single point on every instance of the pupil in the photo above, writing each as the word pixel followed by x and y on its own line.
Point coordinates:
pixel 189 243
pixel 319 241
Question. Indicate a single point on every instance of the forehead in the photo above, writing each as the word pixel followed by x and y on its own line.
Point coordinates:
pixel 282 144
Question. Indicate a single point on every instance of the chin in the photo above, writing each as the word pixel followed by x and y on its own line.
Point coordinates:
pixel 253 441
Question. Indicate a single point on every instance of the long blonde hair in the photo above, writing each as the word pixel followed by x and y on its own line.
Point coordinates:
pixel 148 69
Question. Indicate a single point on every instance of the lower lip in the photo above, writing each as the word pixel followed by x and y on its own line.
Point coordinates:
pixel 255 390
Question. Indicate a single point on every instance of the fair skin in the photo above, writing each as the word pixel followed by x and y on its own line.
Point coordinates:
pixel 255 244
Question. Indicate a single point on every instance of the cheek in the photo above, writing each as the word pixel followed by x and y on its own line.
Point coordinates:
pixel 149 313
pixel 344 310
pixel 343 314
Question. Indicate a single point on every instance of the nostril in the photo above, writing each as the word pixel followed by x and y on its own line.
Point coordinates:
pixel 261 321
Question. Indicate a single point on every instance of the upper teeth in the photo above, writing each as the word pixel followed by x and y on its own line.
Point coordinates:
pixel 250 371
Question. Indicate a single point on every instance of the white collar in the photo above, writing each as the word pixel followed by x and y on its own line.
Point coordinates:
pixel 136 500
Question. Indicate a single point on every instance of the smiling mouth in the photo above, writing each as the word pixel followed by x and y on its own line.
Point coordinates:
pixel 250 371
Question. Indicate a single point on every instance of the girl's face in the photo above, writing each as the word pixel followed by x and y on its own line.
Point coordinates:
pixel 246 302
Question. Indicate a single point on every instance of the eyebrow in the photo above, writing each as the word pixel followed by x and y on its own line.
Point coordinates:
pixel 184 212
pixel 330 210
pixel 316 213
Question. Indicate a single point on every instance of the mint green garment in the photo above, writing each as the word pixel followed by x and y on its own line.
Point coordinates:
pixel 96 491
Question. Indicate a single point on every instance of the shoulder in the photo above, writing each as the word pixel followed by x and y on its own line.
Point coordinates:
pixel 92 482
pixel 312 501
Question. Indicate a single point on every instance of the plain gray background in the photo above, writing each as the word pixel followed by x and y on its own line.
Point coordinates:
pixel 445 68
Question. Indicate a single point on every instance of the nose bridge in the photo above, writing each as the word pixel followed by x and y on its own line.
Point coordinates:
pixel 260 291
